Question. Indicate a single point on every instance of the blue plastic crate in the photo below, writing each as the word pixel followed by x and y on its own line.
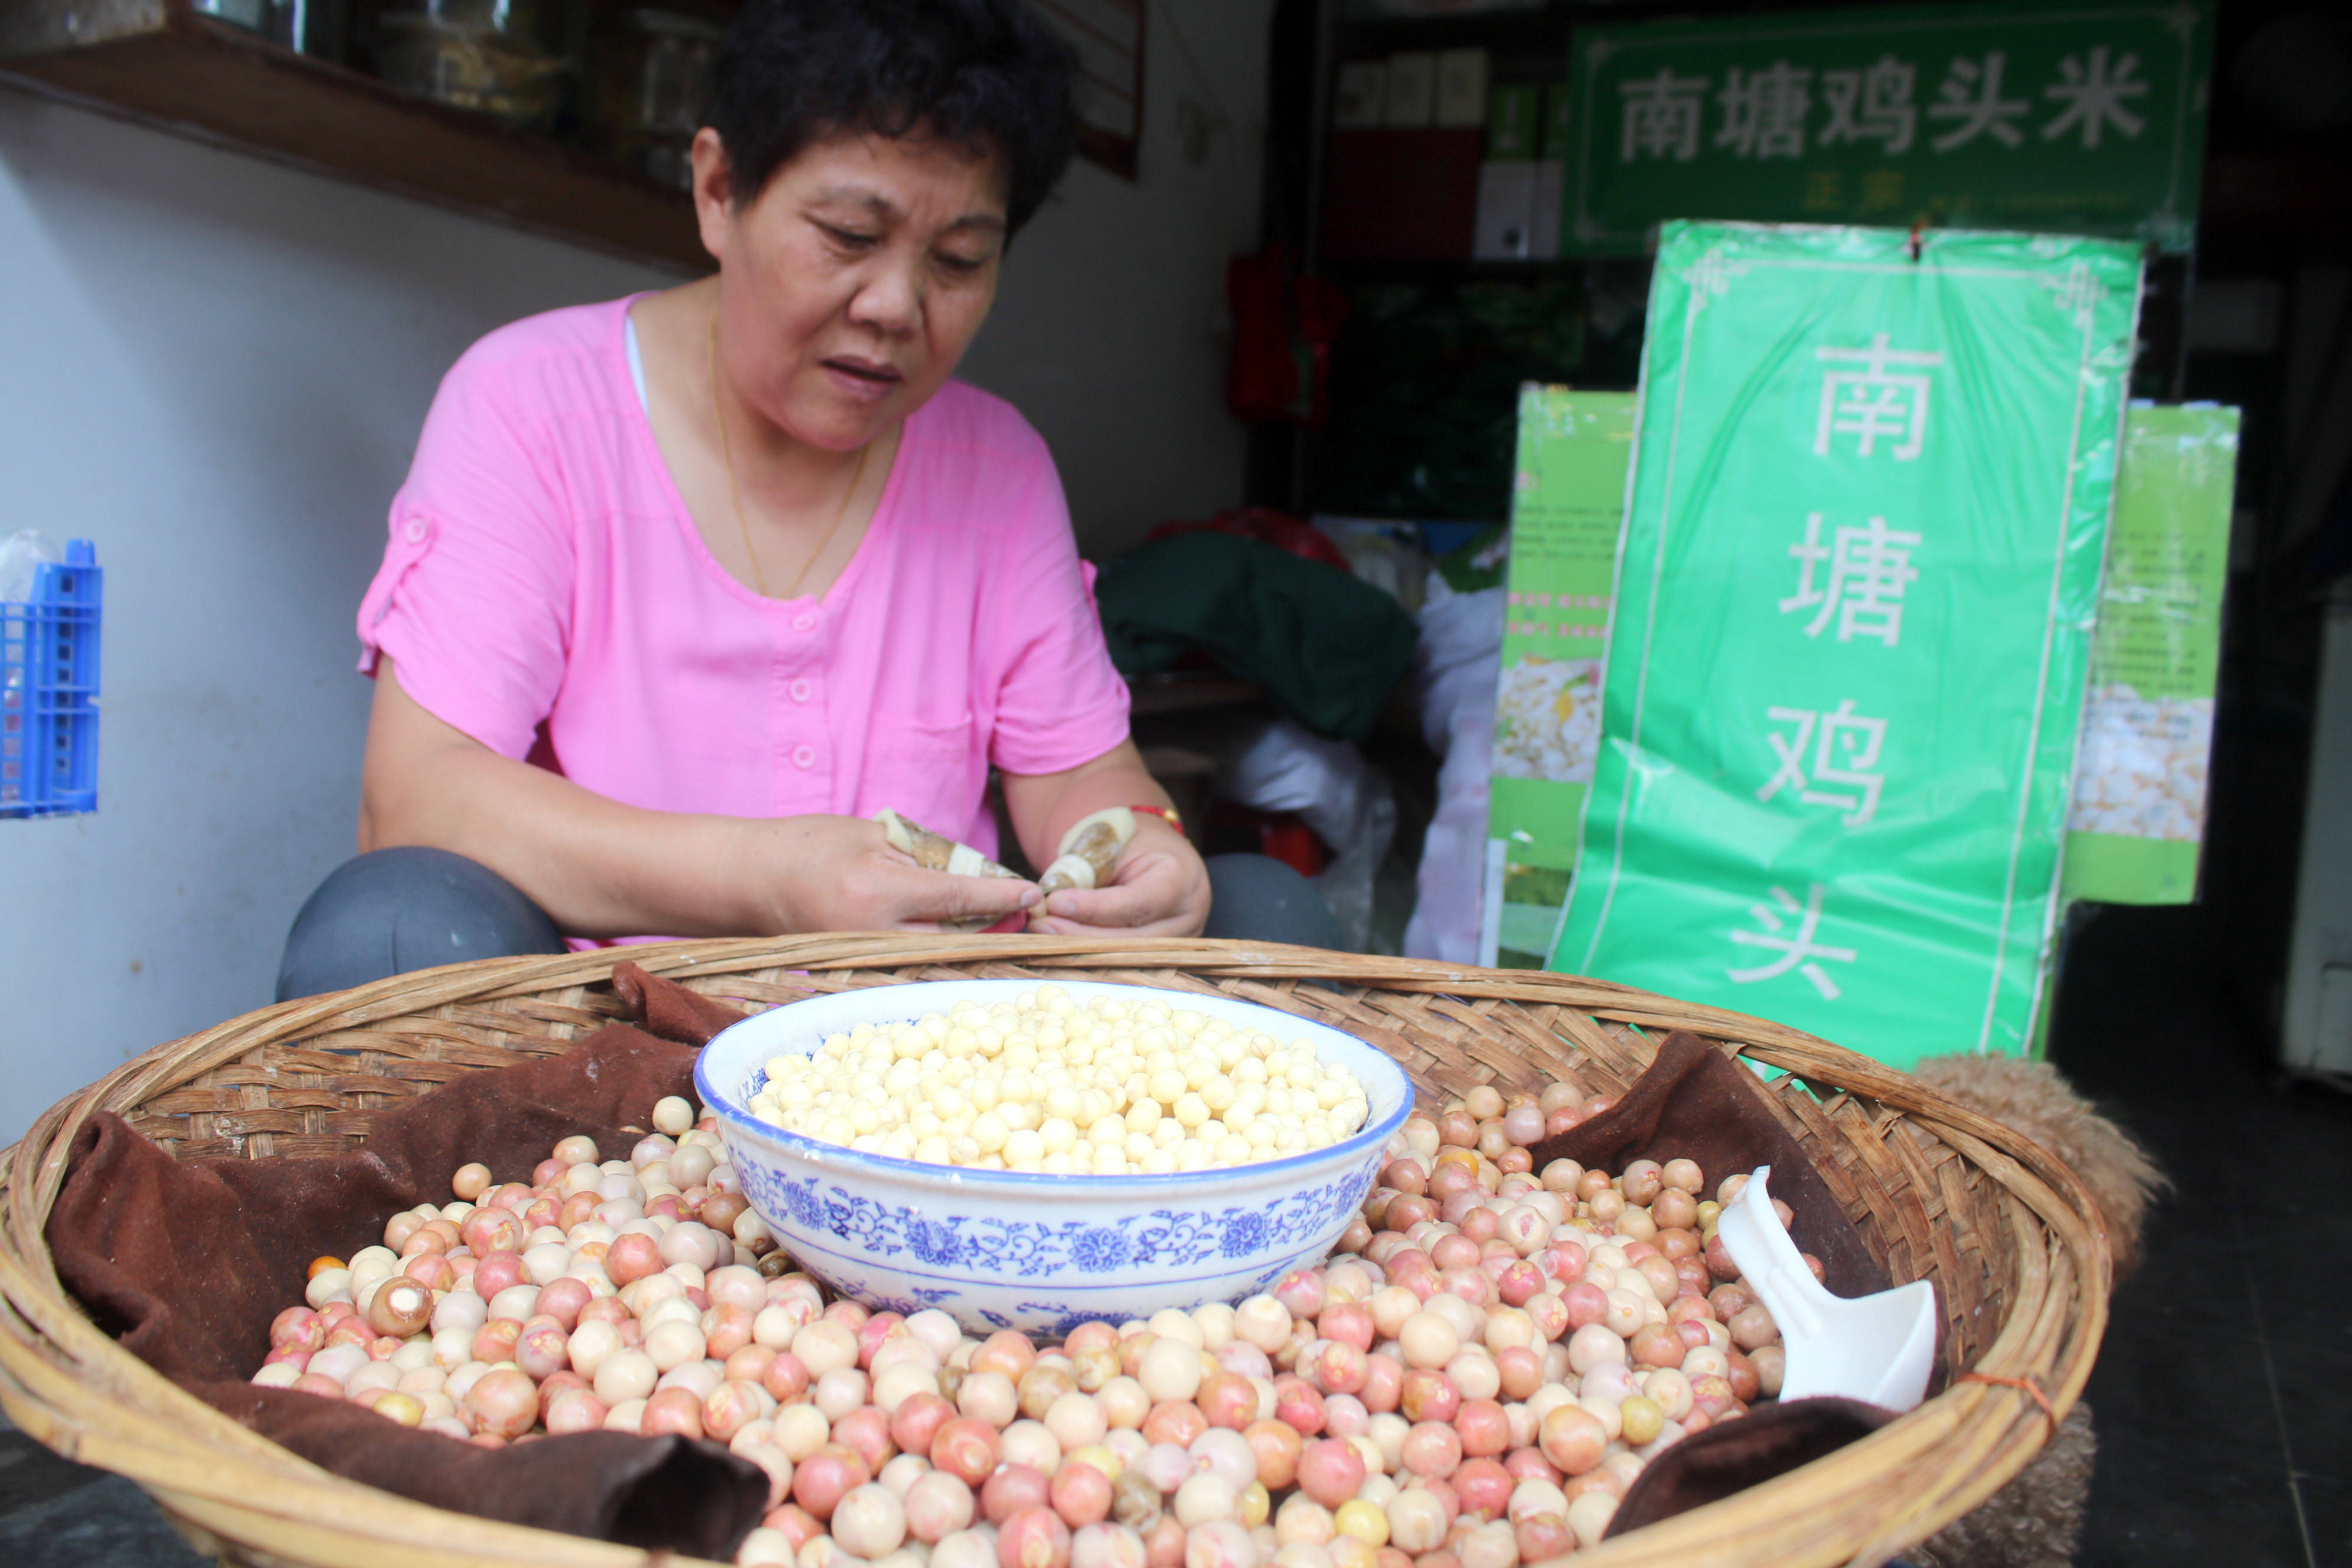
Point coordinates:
pixel 1440 538
pixel 48 689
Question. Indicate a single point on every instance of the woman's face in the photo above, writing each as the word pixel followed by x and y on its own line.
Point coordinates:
pixel 851 286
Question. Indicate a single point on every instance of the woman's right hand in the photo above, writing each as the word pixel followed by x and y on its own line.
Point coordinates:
pixel 601 869
pixel 839 873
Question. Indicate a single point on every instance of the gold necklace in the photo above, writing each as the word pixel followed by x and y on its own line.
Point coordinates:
pixel 735 492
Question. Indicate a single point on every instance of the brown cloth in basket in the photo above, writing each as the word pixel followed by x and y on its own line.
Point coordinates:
pixel 1695 1103
pixel 187 1263
pixel 1712 1465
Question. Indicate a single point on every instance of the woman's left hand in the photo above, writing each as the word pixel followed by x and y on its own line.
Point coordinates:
pixel 1160 889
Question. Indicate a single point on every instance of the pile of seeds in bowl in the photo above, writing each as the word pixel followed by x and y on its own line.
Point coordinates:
pixel 1471 1381
pixel 1043 1083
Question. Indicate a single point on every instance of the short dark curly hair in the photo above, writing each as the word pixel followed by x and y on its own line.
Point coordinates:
pixel 984 73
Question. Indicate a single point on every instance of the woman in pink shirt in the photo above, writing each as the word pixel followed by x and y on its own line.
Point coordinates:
pixel 683 588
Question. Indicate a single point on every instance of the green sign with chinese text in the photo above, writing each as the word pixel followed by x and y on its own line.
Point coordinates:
pixel 2139 783
pixel 2080 119
pixel 1853 610
pixel 1567 512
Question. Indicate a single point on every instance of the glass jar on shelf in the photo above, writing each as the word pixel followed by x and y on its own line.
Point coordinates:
pixel 315 28
pixel 254 16
pixel 515 59
pixel 646 86
pixel 307 26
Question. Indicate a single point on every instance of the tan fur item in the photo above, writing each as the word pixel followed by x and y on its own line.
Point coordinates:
pixel 2031 1098
pixel 2036 1521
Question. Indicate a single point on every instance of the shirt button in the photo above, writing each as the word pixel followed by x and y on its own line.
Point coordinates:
pixel 801 690
pixel 803 622
pixel 806 756
pixel 414 530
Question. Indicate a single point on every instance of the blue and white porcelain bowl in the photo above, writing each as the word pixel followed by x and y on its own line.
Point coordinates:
pixel 1002 1250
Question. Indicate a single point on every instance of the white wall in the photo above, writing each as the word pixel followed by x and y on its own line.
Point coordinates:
pixel 1110 329
pixel 215 368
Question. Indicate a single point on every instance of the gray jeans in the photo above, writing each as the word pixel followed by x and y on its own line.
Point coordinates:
pixel 398 910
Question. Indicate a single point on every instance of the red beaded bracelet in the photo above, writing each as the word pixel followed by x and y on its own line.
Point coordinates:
pixel 1166 813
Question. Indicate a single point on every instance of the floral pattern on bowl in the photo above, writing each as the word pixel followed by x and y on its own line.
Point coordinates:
pixel 1037 1253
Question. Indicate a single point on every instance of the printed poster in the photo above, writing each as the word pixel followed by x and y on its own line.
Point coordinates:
pixel 1852 629
pixel 1568 510
pixel 2138 816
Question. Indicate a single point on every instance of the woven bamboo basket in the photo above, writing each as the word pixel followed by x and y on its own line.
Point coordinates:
pixel 2008 1233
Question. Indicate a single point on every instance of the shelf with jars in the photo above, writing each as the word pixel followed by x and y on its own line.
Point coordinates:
pixel 560 116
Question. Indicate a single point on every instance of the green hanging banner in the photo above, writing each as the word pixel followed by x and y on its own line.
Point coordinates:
pixel 1854 608
pixel 2139 783
pixel 2087 117
pixel 1568 510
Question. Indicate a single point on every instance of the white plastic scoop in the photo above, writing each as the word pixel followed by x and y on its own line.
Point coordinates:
pixel 1878 1349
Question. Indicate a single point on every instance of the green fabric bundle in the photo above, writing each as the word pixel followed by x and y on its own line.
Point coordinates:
pixel 1327 647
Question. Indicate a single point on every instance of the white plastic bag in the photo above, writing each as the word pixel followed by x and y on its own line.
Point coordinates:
pixel 1457 665
pixel 1377 555
pixel 20 553
pixel 1342 797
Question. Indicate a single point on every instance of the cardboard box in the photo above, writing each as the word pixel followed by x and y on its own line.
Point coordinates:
pixel 1360 100
pixel 1560 109
pixel 1461 92
pixel 1514 129
pixel 1543 224
pixel 1506 194
pixel 1413 88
